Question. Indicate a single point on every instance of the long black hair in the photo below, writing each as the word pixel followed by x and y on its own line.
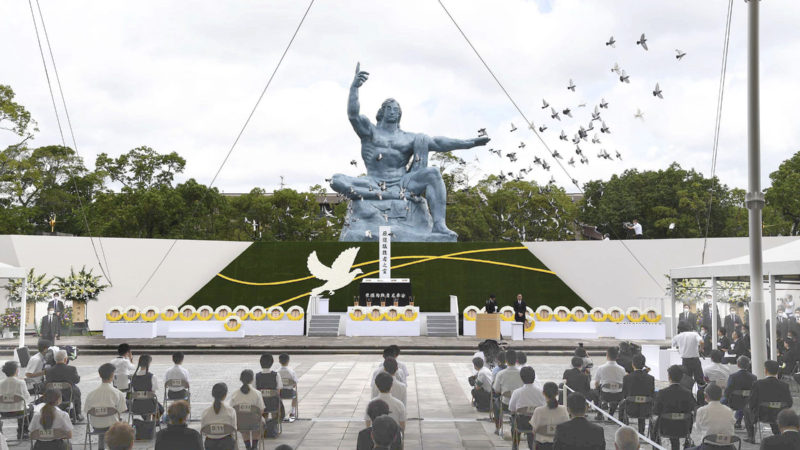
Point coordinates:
pixel 219 391
pixel 144 363
pixel 52 399
pixel 246 378
pixel 550 391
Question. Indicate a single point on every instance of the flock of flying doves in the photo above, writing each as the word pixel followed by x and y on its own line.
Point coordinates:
pixel 563 115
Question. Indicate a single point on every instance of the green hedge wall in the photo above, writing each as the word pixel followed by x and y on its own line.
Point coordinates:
pixel 432 282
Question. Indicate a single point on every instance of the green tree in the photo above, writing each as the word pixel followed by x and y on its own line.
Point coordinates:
pixel 141 168
pixel 784 194
pixel 13 116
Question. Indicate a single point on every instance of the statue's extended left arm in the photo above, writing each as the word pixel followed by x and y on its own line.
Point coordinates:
pixel 446 144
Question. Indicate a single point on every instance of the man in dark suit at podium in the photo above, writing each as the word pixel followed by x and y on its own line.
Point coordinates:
pixel 491 305
pixel 58 309
pixel 48 328
pixel 520 308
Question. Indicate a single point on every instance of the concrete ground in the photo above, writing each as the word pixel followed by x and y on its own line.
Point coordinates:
pixel 334 392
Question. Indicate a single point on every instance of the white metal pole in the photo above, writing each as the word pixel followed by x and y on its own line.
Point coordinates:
pixel 754 198
pixel 673 319
pixel 714 313
pixel 23 311
pixel 773 317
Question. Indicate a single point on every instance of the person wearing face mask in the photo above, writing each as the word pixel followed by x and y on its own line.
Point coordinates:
pixel 707 348
pixel 732 321
pixel 688 316
pixel 49 325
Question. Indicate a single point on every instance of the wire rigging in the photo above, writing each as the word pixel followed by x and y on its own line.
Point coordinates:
pixel 533 129
pixel 60 128
pixel 720 97
pixel 241 132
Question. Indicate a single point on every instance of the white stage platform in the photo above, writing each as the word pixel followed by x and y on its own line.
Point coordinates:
pixel 200 329
pixel 367 327
pixel 583 330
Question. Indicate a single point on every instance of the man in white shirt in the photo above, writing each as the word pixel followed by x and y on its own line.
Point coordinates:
pixel 124 366
pixel 11 386
pixel 34 372
pixel 399 388
pixel 289 380
pixel 393 351
pixel 715 418
pixel 397 410
pixel 609 378
pixel 507 380
pixel 637 229
pixel 105 396
pixel 177 372
pixel 482 392
pixel 717 372
pixel 528 396
pixel 689 344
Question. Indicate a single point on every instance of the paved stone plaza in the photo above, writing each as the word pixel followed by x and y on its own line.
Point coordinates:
pixel 334 392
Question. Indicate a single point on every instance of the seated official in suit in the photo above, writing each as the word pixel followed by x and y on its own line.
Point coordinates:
pixel 714 417
pixel 638 384
pixel 375 409
pixel 769 390
pixel 63 373
pixel 578 433
pixel 789 439
pixel 674 399
pixel 739 382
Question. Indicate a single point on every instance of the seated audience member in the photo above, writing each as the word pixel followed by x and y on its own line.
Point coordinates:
pixel 401 368
pixel 63 373
pixel 397 410
pixel 11 386
pixel 577 379
pixel 501 363
pixel 480 354
pixel 527 396
pixel 522 359
pixel 145 381
pixel 706 335
pixel 34 372
pixel 269 379
pixel 610 372
pixel 741 380
pixel 714 417
pixel 717 372
pixel 789 439
pixel 723 342
pixel 625 356
pixel 578 433
pixel 507 380
pixel 550 414
pixel 219 413
pixel 674 399
pixel 177 372
pixel 375 409
pixel 638 384
pixel 178 434
pixel 246 395
pixel 120 436
pixel 769 389
pixel 398 387
pixel 626 439
pixel 124 366
pixel 482 392
pixel 287 374
pixel 51 417
pixel 385 432
pixel 105 396
pixel 790 357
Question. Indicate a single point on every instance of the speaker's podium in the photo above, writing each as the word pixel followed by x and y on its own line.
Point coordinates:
pixel 487 326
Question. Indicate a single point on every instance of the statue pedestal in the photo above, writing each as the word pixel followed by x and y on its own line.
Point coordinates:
pixel 410 221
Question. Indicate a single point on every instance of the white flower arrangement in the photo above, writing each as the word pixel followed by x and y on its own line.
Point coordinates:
pixel 82 286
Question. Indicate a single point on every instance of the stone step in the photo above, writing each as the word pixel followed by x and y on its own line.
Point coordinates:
pixel 324 325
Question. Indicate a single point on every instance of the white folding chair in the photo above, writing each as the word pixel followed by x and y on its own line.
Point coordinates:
pixel 93 413
pixel 177 383
pixel 14 401
pixel 219 431
pixel 249 420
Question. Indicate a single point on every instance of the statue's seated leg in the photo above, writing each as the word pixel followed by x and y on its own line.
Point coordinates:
pixel 429 181
pixel 355 187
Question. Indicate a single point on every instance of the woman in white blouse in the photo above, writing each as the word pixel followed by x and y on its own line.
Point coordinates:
pixel 51 417
pixel 246 395
pixel 550 414
pixel 216 414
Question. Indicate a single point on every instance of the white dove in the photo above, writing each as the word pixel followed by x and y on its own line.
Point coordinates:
pixel 338 275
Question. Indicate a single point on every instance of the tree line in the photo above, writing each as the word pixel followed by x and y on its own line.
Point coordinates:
pixel 135 195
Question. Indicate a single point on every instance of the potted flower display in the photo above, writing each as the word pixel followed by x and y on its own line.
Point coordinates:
pixel 80 288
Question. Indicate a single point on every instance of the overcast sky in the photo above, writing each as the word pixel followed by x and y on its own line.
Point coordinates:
pixel 183 76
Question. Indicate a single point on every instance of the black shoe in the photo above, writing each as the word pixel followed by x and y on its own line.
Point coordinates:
pixel 737 426
pixel 79 418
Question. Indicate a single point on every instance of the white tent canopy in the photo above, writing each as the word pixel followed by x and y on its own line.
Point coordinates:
pixel 781 261
pixel 9 271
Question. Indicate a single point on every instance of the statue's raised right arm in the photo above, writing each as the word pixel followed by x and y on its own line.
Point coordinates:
pixel 361 123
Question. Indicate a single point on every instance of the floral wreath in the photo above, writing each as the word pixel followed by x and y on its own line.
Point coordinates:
pixel 293 309
pixel 414 313
pixel 234 327
pixel 474 310
pixel 656 319
pixel 396 314
pixel 601 311
pixel 144 317
pixel 202 309
pixel 257 313
pixel 562 309
pixel 373 309
pixel 119 312
pixel 611 312
pixel 242 308
pixel 272 309
pixel 529 318
pixel 222 312
pixel 540 310
pixel 632 310
pixel 135 315
pixel 187 312
pixel 582 310
pixel 359 309
pixel 503 312
pixel 170 309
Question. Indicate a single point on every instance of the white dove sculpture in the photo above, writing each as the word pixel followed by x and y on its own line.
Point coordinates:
pixel 338 275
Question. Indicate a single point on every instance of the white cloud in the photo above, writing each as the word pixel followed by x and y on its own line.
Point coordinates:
pixel 183 76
